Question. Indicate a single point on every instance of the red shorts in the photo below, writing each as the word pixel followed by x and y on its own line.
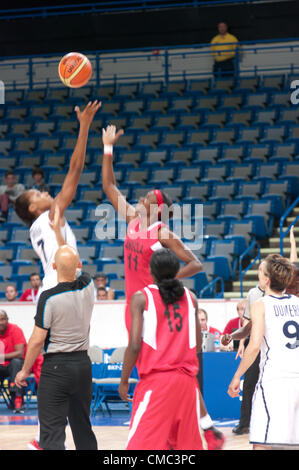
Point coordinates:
pixel 165 413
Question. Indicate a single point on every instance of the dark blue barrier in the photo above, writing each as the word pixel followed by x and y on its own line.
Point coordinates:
pixel 218 371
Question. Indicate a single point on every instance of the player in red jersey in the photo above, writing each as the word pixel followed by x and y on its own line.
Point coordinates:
pixel 146 233
pixel 165 336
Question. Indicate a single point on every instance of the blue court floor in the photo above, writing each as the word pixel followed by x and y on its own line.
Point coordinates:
pixel 119 416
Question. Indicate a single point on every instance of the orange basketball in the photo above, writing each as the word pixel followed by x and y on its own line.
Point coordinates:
pixel 74 70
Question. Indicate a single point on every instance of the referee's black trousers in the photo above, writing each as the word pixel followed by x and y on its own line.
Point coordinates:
pixel 250 379
pixel 64 393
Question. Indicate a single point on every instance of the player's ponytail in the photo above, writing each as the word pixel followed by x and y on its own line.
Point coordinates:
pixel 164 267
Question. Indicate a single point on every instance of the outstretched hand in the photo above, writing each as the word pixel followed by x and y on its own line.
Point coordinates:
pixel 86 116
pixel 226 339
pixel 110 136
pixel 234 387
pixel 123 391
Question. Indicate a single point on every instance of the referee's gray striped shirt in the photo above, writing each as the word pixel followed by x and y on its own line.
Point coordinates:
pixel 254 294
pixel 65 311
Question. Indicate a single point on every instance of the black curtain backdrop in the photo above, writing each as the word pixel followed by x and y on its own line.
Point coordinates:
pixel 152 28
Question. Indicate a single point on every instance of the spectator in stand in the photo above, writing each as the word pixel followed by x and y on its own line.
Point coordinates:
pixel 235 324
pixel 101 280
pixel 102 294
pixel 203 318
pixel 32 294
pixel 223 47
pixel 39 183
pixel 14 345
pixel 11 293
pixel 9 192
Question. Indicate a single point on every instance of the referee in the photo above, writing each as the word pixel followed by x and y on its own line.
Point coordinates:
pixel 62 324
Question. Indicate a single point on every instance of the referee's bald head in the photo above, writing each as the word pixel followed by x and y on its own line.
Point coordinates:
pixel 66 263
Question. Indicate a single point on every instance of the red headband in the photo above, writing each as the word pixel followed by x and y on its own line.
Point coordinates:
pixel 159 197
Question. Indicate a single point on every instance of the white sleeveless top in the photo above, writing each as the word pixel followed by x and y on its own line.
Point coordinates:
pixel 280 345
pixel 45 245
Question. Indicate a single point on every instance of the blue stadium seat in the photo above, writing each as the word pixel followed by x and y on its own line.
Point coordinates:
pixel 243 228
pixel 221 267
pixel 151 89
pixel 215 228
pixel 227 250
pixel 198 191
pixel 223 190
pixel 262 212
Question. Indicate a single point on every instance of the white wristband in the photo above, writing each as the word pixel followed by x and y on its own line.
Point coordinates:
pixel 108 149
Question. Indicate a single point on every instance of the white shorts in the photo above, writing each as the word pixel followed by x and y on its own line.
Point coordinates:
pixel 275 413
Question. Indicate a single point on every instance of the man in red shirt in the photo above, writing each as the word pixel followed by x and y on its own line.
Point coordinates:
pixel 12 348
pixel 203 318
pixel 236 323
pixel 31 295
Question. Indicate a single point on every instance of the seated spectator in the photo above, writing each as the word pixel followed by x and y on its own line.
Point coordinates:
pixel 9 192
pixel 102 294
pixel 203 319
pixel 11 293
pixel 13 345
pixel 39 183
pixel 235 324
pixel 101 280
pixel 31 295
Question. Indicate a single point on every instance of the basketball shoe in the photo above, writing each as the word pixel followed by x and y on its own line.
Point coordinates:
pixel 34 445
pixel 18 405
pixel 215 439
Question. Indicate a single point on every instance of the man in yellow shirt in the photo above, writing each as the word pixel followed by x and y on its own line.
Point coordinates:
pixel 223 47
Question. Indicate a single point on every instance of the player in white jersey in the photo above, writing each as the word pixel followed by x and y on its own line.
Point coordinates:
pixel 275 333
pixel 37 208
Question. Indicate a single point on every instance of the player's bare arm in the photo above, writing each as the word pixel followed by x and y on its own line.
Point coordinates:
pixel 238 335
pixel 69 187
pixel 170 240
pixel 197 323
pixel 34 347
pixel 17 353
pixel 137 306
pixel 257 314
pixel 293 254
pixel 118 201
pixel 56 226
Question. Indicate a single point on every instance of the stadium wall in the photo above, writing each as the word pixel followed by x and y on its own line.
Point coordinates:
pixel 152 65
pixel 148 28
pixel 108 326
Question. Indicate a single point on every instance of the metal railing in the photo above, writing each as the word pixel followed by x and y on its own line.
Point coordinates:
pixel 156 63
pixel 242 271
pixel 212 286
pixel 282 233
